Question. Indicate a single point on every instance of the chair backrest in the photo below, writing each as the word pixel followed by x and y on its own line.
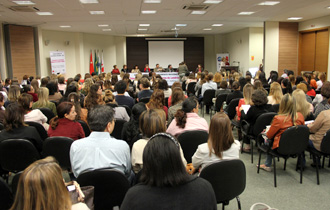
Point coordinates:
pixel 119 124
pixel 208 96
pixel 85 127
pixel 183 85
pixel 59 148
pixel 219 101
pixel 17 154
pixel 145 100
pixel 166 102
pixel 227 177
pixel 325 144
pixel 189 142
pixel 128 110
pixel 14 183
pixel 231 109
pixel 110 187
pixel 2 127
pixel 40 128
pixel 262 121
pixel 191 88
pixel 276 107
pixel 6 197
pixel 48 113
pixel 294 140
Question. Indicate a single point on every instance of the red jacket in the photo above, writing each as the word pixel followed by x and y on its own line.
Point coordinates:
pixel 115 71
pixel 146 69
pixel 67 128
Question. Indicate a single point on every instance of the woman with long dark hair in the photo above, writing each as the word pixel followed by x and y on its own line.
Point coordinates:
pixel 94 97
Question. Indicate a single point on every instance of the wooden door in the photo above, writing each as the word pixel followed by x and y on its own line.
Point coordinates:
pixel 321 51
pixel 307 52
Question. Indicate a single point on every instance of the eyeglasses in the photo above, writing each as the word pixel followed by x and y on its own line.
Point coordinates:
pixel 167 136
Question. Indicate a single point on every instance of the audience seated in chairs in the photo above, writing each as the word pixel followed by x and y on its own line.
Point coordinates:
pixel 162 85
pixel 120 112
pixel 43 101
pixel 103 150
pixel 54 94
pixel 157 101
pixel 121 98
pixel 286 118
pixel 15 128
pixel 208 85
pixel 175 86
pixel 177 99
pixel 223 89
pixel 275 93
pixel 144 86
pixel 221 144
pixel 187 118
pixel 164 178
pixel 41 186
pixel 35 115
pixel 65 123
pixel 302 106
pixel 237 93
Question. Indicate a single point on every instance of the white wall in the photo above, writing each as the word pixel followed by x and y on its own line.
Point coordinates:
pixel 271 46
pixel 237 45
pixel 3 66
pixel 256 43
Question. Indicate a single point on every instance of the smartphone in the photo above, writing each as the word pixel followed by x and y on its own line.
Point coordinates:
pixel 71 188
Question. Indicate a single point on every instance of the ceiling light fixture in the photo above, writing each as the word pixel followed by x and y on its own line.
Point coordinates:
pixel 97 12
pixel 152 1
pixel 65 26
pixel 103 25
pixel 207 29
pixel 107 29
pixel 144 25
pixel 148 11
pixel 197 12
pixel 328 7
pixel 24 2
pixel 295 18
pixel 269 3
pixel 217 25
pixel 89 1
pixel 182 25
pixel 212 1
pixel 142 29
pixel 44 13
pixel 245 13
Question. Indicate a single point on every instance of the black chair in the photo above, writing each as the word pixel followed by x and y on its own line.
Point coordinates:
pixel 17 154
pixel 48 113
pixel 231 108
pixel 325 152
pixel 14 182
pixel 59 148
pixel 262 121
pixel 293 143
pixel 85 127
pixel 128 110
pixel 166 102
pixel 145 100
pixel 110 187
pixel 219 101
pixel 189 142
pixel 2 127
pixel 116 133
pixel 207 100
pixel 276 107
pixel 112 105
pixel 228 179
pixel 191 88
pixel 6 197
pixel 41 130
pixel 183 85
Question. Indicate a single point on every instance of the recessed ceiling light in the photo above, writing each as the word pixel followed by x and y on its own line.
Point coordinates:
pixel 148 11
pixel 144 25
pixel 245 13
pixel 142 29
pixel 103 25
pixel 295 18
pixel 97 12
pixel 212 1
pixel 44 13
pixel 175 29
pixel 207 29
pixel 217 24
pixel 181 25
pixel 89 1
pixel 106 29
pixel 152 1
pixel 65 26
pixel 24 2
pixel 269 3
pixel 196 12
pixel 328 7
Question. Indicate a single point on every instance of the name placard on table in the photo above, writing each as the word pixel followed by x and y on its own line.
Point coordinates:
pixel 170 77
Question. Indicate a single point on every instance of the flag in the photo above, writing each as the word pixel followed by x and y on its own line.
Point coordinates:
pixel 95 63
pixel 102 63
pixel 91 66
pixel 98 63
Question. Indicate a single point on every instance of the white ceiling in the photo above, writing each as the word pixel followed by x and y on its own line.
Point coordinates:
pixel 124 16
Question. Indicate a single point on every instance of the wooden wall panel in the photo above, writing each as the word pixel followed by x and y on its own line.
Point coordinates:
pixel 288 47
pixel 322 51
pixel 22 51
pixel 137 52
pixel 307 50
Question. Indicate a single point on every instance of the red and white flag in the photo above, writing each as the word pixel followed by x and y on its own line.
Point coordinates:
pixel 102 63
pixel 91 64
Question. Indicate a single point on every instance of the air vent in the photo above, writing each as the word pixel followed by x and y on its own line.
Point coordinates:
pixel 195 7
pixel 24 9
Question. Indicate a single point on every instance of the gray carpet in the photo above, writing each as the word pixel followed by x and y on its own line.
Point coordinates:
pixel 289 194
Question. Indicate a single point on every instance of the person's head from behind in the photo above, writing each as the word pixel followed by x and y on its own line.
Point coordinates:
pixel 152 121
pixel 101 118
pixel 259 98
pixel 157 100
pixel 144 83
pixel 52 87
pixel 74 98
pixel 235 85
pixel 302 86
pixel 287 84
pixel 43 94
pixel 28 89
pixel 13 93
pixel 177 96
pixel 66 110
pixel 95 90
pixel 25 100
pixel 325 90
pixel 223 84
pixel 162 163
pixel 302 105
pixel 162 84
pixel 322 77
pixel 2 102
pixel 44 82
pixel 189 105
pixel 120 87
pixel 247 93
pixel 14 116
pixel 41 187
pixel 220 134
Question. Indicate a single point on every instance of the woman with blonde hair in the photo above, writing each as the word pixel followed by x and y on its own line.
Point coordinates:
pixel 247 100
pixel 275 93
pixel 13 94
pixel 220 145
pixel 41 187
pixel 217 79
pixel 87 85
pixel 302 105
pixel 43 101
